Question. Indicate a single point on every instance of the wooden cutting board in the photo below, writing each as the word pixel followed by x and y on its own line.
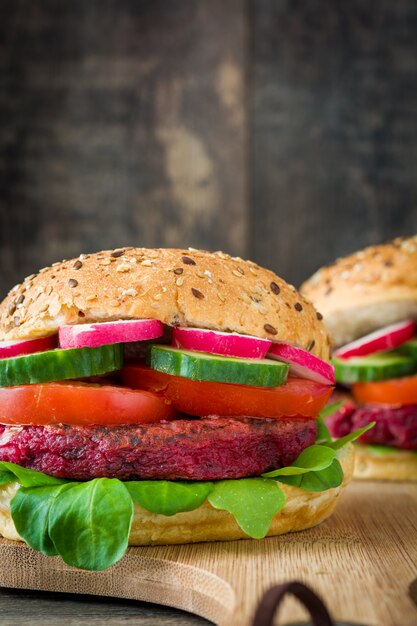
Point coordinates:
pixel 362 561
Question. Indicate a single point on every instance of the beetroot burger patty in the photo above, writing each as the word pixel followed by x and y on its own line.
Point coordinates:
pixel 203 449
pixel 395 426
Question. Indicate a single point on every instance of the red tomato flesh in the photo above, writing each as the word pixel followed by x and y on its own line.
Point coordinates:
pixel 394 391
pixel 297 397
pixel 81 404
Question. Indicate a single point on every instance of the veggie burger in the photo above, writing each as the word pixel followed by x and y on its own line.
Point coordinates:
pixel 369 303
pixel 156 396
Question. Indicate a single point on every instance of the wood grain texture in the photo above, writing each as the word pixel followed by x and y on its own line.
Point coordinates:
pixel 122 123
pixel 362 561
pixel 333 127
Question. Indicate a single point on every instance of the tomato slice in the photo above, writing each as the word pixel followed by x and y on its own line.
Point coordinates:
pixel 297 397
pixel 81 404
pixel 393 391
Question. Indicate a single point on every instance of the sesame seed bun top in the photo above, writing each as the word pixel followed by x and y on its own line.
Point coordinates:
pixel 178 287
pixel 367 290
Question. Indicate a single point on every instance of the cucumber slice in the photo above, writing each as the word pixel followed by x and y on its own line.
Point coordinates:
pixel 210 367
pixel 409 348
pixel 371 368
pixel 53 365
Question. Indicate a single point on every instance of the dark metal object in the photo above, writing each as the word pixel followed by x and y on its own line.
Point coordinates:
pixel 273 598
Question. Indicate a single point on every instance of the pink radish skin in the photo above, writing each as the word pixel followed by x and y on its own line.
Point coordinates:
pixel 385 339
pixel 302 363
pixel 225 344
pixel 10 349
pixel 103 333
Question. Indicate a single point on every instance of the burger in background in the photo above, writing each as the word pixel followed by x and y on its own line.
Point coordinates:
pixel 369 304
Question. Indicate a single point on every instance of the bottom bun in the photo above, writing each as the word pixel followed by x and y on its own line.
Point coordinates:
pixel 395 465
pixel 303 509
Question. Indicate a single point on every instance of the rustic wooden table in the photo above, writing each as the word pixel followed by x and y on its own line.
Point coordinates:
pixel 25 608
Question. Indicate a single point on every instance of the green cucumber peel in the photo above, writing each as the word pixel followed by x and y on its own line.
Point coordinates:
pixel 87 523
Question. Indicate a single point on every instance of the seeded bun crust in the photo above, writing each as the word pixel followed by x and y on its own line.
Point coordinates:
pixel 395 465
pixel 366 290
pixel 303 509
pixel 178 287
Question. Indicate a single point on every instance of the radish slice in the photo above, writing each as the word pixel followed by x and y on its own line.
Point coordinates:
pixel 10 349
pixel 385 339
pixel 302 363
pixel 121 331
pixel 215 342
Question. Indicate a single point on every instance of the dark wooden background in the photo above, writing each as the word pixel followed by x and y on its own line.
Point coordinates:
pixel 281 130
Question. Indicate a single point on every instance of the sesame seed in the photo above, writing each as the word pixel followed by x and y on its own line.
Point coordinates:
pixel 147 263
pixel 187 260
pixel 16 320
pixel 252 271
pixel 201 274
pixel 275 288
pixel 12 308
pixel 157 296
pixel 117 253
pixel 298 306
pixel 179 281
pixel 311 345
pixel 178 270
pixel 77 265
pixel 123 267
pixel 221 297
pixel 236 273
pixel 197 293
pixel 114 303
pixel 319 316
pixel 72 283
pixel 105 262
pixel 129 292
pixel 91 298
pixel 20 299
pixel 270 329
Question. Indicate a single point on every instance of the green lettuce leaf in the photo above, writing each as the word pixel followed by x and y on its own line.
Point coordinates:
pixel 321 480
pixel 89 523
pixel 312 459
pixel 323 434
pixel 30 509
pixel 253 502
pixel 29 478
pixel 337 444
pixel 6 478
pixel 168 497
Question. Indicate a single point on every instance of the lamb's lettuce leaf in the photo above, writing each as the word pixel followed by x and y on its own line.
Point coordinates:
pixel 89 523
pixel 27 477
pixel 253 502
pixel 168 497
pixel 312 459
pixel 321 480
pixel 337 444
pixel 30 511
